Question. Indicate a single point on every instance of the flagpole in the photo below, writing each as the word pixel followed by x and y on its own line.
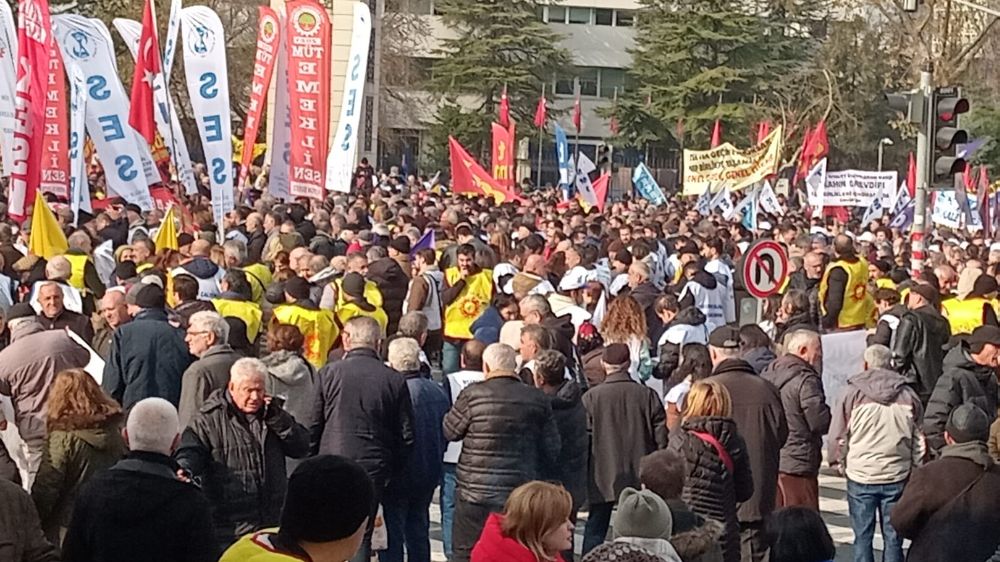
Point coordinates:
pixel 576 106
pixel 170 104
pixel 541 132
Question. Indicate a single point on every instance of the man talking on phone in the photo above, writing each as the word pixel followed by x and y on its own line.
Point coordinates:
pixel 235 448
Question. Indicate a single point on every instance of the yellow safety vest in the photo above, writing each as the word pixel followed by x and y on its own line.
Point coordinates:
pixel 885 283
pixel 372 294
pixel 259 277
pixel 317 326
pixel 351 310
pixel 256 547
pixel 858 308
pixel 964 316
pixel 78 263
pixel 469 304
pixel 249 312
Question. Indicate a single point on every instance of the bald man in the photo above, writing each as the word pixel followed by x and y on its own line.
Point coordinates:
pixel 114 313
pixel 845 301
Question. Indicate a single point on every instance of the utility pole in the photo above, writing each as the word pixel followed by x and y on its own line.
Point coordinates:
pixel 924 134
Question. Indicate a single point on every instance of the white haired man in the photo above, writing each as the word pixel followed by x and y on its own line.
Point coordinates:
pixel 139 509
pixel 236 446
pixel 49 301
pixel 207 339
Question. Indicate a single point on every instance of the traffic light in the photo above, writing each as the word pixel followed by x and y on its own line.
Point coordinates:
pixel 947 104
pixel 910 104
pixel 604 158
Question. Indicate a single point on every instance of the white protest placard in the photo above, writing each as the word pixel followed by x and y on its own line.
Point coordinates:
pixel 857 188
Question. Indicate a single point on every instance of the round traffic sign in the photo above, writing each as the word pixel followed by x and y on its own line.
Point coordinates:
pixel 765 268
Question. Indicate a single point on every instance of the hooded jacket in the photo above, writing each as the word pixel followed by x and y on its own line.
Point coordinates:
pixel 139 510
pixel 963 382
pixel 695 538
pixel 875 433
pixel 806 413
pixel 918 349
pixel 687 327
pixel 705 293
pixel 561 328
pixel 493 546
pixel 293 379
pixel 646 294
pixel 486 328
pixel 206 273
pixel 759 358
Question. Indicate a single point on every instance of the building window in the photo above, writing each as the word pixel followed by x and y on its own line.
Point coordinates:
pixel 588 81
pixel 579 15
pixel 612 78
pixel 603 16
pixel 557 14
pixel 624 18
pixel 564 85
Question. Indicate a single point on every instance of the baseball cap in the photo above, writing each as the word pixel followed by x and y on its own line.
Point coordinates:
pixel 725 337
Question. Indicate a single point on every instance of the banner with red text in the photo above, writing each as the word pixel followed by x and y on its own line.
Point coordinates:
pixel 55 152
pixel 503 155
pixel 309 36
pixel 268 42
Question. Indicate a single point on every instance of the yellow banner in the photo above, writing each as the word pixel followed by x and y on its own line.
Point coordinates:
pixel 728 166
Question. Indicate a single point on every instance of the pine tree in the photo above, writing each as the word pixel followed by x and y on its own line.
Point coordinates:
pixel 499 43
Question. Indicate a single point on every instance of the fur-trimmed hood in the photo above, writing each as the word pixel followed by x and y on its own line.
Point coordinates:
pixel 700 544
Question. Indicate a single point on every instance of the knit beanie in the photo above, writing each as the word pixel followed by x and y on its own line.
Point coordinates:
pixel 328 499
pixel 642 514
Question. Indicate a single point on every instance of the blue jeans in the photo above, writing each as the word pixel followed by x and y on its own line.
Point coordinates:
pixel 407 521
pixel 448 483
pixel 596 529
pixel 864 501
pixel 451 353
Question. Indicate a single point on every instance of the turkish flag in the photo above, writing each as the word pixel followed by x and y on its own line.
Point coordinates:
pixel 504 118
pixel 147 66
pixel 540 113
pixel 911 176
pixel 577 115
pixel 716 134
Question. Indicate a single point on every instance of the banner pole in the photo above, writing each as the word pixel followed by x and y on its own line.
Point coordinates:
pixel 541 133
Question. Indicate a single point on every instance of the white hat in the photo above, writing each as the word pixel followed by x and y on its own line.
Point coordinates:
pixel 577 278
pixel 995 247
pixel 764 225
pixel 867 236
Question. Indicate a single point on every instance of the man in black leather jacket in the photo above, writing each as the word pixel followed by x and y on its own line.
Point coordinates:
pixel 918 350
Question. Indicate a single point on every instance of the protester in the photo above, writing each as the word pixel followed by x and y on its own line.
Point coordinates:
pixel 798 534
pixel 140 509
pixel 535 525
pixel 467 291
pixel 207 339
pixel 114 312
pixel 843 292
pixel 54 315
pixel 290 376
pixel 509 437
pixel 918 349
pixel 696 365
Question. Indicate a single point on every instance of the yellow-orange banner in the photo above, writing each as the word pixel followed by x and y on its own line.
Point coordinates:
pixel 728 166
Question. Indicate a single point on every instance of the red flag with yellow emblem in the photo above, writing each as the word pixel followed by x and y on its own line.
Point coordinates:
pixel 467 176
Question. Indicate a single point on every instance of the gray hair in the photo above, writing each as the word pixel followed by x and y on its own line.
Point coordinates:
pixel 152 426
pixel 404 354
pixel 78 239
pixel 376 253
pixel 213 322
pixel 246 368
pixel 236 250
pixel 364 331
pixel 500 356
pixel 640 268
pixel 413 324
pixel 538 334
pixel 58 268
pixel 535 303
pixel 797 339
pixel 878 357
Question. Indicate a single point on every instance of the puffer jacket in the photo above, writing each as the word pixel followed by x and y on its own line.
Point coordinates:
pixel 806 412
pixel 509 437
pixel 393 283
pixel 963 382
pixel 240 461
pixel 70 459
pixel 918 350
pixel 687 327
pixel 710 489
pixel 571 419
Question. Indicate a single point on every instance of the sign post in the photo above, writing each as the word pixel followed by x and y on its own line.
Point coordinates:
pixel 765 270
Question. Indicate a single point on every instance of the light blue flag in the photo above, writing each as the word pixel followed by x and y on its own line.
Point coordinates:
pixel 704 203
pixel 562 157
pixel 750 211
pixel 647 188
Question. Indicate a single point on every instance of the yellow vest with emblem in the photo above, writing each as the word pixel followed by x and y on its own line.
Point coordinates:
pixel 248 312
pixel 256 547
pixel 259 277
pixel 469 304
pixel 372 294
pixel 78 263
pixel 964 316
pixel 858 308
pixel 317 326
pixel 350 310
pixel 885 283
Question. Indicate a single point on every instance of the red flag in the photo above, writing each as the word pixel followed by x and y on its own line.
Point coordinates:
pixel 803 168
pixel 147 66
pixel 540 112
pixel 55 141
pixel 969 179
pixel 467 176
pixel 308 44
pixel 819 146
pixel 503 155
pixel 577 115
pixel 34 33
pixel 717 134
pixel 763 129
pixel 911 176
pixel 504 118
pixel 268 42
pixel 601 185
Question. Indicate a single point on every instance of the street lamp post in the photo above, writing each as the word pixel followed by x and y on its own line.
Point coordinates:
pixel 882 143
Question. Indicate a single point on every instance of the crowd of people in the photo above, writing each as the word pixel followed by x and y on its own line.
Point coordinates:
pixel 303 381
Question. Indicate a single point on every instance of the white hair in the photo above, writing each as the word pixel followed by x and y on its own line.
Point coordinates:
pixel 878 357
pixel 78 239
pixel 535 303
pixel 213 322
pixel 798 339
pixel 500 356
pixel 58 268
pixel 404 354
pixel 246 368
pixel 152 426
pixel 364 331
pixel 235 250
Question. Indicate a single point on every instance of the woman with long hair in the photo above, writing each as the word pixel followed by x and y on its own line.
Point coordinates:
pixel 83 439
pixel 626 323
pixel 290 376
pixel 718 468
pixel 696 365
pixel 798 534
pixel 535 526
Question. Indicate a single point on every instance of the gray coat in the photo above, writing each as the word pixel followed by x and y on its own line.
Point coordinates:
pixel 293 379
pixel 806 413
pixel 202 378
pixel 626 421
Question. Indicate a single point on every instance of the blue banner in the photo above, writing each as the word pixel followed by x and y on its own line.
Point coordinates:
pixel 646 187
pixel 562 157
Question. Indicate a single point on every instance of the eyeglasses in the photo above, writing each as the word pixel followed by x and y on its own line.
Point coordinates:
pixel 190 333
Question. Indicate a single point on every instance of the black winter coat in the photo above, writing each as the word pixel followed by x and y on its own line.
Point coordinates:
pixel 139 510
pixel 240 461
pixel 571 419
pixel 918 350
pixel 760 419
pixel 806 413
pixel 363 411
pixel 963 382
pixel 710 489
pixel 393 283
pixel 509 436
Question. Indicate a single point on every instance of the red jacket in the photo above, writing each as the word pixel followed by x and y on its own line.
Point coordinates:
pixel 493 546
